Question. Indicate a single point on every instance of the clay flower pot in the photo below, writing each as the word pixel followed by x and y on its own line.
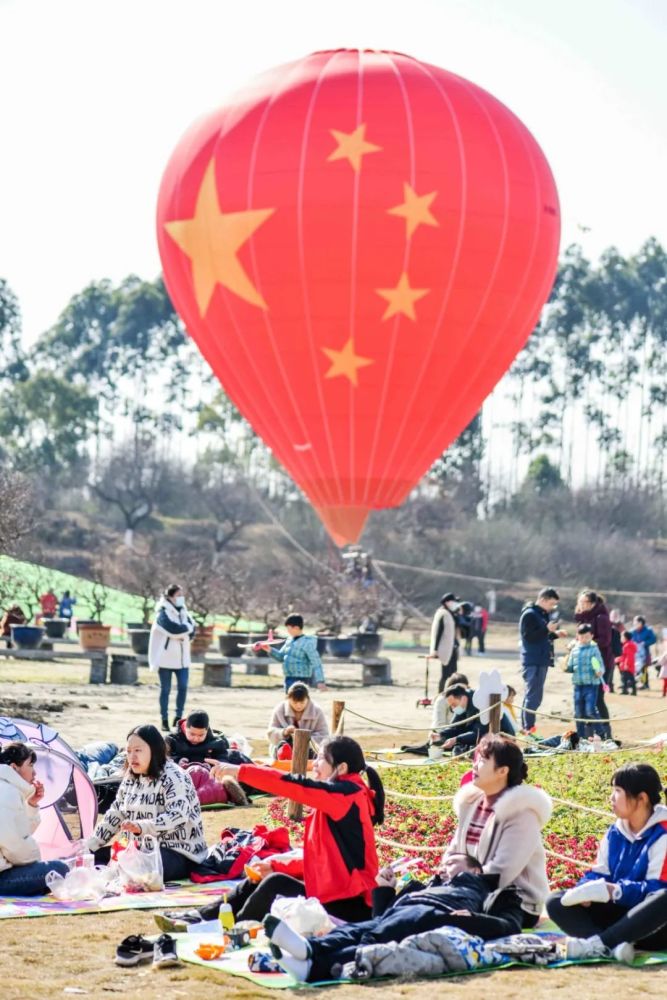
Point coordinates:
pixel 93 636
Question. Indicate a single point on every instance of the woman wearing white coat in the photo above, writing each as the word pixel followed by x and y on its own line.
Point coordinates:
pixel 169 649
pixel 22 871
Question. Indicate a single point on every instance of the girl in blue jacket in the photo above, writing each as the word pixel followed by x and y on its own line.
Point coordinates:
pixel 622 900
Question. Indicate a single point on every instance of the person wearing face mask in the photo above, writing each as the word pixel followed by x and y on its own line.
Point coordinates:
pixel 466 728
pixel 444 640
pixel 169 650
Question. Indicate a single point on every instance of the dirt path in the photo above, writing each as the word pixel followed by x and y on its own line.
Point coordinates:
pixel 92 712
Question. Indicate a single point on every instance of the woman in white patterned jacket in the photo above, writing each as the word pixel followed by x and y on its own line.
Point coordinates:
pixel 156 800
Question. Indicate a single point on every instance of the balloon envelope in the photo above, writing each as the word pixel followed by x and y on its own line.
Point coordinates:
pixel 360 244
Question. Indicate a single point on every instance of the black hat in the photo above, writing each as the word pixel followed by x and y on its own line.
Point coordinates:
pixel 449 597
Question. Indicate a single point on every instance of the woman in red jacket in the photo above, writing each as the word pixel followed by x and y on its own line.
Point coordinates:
pixel 339 857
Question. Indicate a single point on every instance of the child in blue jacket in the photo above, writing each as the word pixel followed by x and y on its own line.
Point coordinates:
pixel 622 900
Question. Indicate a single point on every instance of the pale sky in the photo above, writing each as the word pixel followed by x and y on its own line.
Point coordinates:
pixel 95 94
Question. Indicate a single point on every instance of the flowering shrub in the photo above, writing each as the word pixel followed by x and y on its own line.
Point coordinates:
pixel 580 778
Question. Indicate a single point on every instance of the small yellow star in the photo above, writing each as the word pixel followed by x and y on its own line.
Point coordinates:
pixel 352 146
pixel 212 239
pixel 415 209
pixel 402 298
pixel 345 362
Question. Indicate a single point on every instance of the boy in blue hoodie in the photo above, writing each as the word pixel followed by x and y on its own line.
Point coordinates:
pixel 586 665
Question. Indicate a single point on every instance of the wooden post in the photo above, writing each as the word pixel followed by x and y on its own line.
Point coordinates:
pixel 300 744
pixel 337 721
pixel 496 707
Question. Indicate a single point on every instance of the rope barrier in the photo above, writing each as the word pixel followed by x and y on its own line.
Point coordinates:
pixel 391 794
pixel 513 584
pixel 409 847
pixel 617 718
pixel 534 711
pixel 588 809
pixel 423 729
pixel 440 850
pixel 585 866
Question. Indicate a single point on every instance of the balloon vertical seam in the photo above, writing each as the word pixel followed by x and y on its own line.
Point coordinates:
pixel 389 356
pixel 304 284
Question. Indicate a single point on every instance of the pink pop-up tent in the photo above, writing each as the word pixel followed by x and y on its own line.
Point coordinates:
pixel 68 810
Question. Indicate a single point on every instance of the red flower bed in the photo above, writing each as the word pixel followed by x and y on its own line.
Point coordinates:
pixel 418 827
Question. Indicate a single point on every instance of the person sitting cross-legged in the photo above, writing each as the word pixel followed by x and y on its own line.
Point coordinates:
pixel 622 901
pixel 297 711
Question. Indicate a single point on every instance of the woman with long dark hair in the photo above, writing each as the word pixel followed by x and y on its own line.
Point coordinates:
pixel 592 610
pixel 622 901
pixel 156 802
pixel 499 831
pixel 339 857
pixel 22 871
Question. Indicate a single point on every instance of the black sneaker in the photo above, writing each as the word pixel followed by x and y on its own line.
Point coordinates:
pixel 165 725
pixel 134 949
pixel 164 952
pixel 177 923
pixel 176 721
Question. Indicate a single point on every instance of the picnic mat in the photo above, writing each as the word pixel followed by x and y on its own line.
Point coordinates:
pixel 174 896
pixel 235 963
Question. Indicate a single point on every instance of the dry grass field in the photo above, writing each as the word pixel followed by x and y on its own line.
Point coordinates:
pixel 73 955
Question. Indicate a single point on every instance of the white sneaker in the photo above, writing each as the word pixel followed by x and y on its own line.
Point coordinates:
pixel 591 947
pixel 624 952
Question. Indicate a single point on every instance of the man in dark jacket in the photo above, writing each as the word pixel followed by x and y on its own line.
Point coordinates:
pixel 194 740
pixel 460 897
pixel 538 629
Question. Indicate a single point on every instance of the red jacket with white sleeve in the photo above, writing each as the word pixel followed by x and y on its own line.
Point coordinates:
pixel 339 856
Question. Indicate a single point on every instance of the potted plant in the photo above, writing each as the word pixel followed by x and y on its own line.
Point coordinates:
pixel 93 635
pixel 27 636
pixel 333 594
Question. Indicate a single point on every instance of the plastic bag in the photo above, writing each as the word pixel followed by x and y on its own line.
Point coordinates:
pixel 305 916
pixel 140 868
pixel 79 883
pixel 240 743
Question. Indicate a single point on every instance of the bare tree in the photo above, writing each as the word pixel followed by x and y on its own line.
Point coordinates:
pixel 230 504
pixel 140 571
pixel 203 590
pixel 131 480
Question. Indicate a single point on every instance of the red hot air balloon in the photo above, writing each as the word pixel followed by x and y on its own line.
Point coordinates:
pixel 360 244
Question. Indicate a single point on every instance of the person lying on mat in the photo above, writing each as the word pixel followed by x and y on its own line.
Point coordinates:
pixel 298 711
pixel 460 896
pixel 156 800
pixel 339 857
pixel 22 871
pixel 622 901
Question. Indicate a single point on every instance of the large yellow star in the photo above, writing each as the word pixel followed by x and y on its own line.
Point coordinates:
pixel 345 362
pixel 212 239
pixel 352 146
pixel 415 209
pixel 402 298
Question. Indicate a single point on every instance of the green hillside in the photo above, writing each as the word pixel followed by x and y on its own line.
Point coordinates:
pixel 21 581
